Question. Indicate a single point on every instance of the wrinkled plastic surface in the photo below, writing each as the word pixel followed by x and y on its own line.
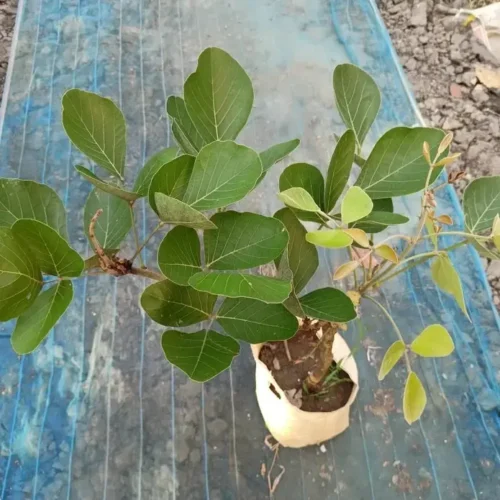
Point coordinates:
pixel 97 412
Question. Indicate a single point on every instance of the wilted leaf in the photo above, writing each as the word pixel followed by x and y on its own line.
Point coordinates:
pixel 414 399
pixel 276 153
pixel 35 323
pixel 481 203
pixel 356 204
pixel 445 219
pixel 153 165
pixel 201 355
pixel 345 269
pixel 96 126
pixel 433 342
pixel 331 238
pixel 299 198
pixel 359 236
pixel 387 253
pixel 391 357
pixel 328 304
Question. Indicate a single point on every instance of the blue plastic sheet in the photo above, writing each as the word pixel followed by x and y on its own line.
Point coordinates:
pixel 97 412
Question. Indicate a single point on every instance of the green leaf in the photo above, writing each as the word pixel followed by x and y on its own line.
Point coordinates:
pixel 20 277
pixel 433 342
pixel 243 240
pixel 481 203
pixel 106 186
pixel 391 357
pixel 255 322
pixel 35 324
pixel 30 200
pixel 331 238
pixel 396 165
pixel 173 305
pixel 171 179
pixel 339 169
pixel 179 255
pixel 299 198
pixel 387 253
pixel 303 175
pixel 173 211
pixel 183 128
pixel 328 304
pixel 357 97
pixel 218 96
pixel 96 126
pixel 114 223
pixel 201 355
pixel 51 251
pixel 276 153
pixel 223 173
pixel 302 256
pixel 153 165
pixel 270 290
pixel 355 205
pixel 378 221
pixel 446 277
pixel 414 399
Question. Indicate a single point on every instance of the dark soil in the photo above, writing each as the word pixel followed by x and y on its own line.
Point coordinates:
pixel 290 375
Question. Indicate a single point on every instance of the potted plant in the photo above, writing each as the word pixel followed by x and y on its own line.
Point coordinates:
pixel 227 276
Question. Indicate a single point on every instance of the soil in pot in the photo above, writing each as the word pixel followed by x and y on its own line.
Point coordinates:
pixel 292 372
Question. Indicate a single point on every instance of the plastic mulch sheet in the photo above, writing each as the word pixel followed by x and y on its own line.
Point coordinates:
pixel 97 412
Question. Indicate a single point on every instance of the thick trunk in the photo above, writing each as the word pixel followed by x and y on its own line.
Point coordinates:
pixel 323 356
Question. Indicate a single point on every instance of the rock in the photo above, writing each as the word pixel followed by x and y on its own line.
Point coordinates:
pixel 493 270
pixel 452 124
pixel 480 94
pixel 411 65
pixel 456 90
pixel 419 14
pixel 475 150
pixel 489 77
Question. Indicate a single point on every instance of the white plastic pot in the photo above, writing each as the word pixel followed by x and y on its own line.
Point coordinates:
pixel 292 426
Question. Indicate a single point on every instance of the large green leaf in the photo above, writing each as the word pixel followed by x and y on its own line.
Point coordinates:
pixel 396 165
pixel 96 126
pixel 179 254
pixel 391 357
pixel 223 173
pixel 481 203
pixel 21 199
pixel 243 240
pixel 276 153
pixel 183 128
pixel 153 165
pixel 51 251
pixel 270 290
pixel 172 179
pixel 174 305
pixel 107 187
pixel 173 211
pixel 201 355
pixel 446 277
pixel 339 169
pixel 114 223
pixel 302 255
pixel 378 221
pixel 433 342
pixel 256 322
pixel 356 204
pixel 328 304
pixel 414 399
pixel 357 97
pixel 34 324
pixel 218 96
pixel 20 277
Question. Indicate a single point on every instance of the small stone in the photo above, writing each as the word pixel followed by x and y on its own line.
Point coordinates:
pixel 456 90
pixel 480 94
pixel 322 448
pixel 411 65
pixel 493 270
pixel 452 124
pixel 419 14
pixel 476 149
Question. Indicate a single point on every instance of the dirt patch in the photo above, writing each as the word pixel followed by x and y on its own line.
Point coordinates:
pixel 290 374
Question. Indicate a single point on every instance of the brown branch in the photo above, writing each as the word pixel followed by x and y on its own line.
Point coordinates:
pixel 104 261
pixel 147 273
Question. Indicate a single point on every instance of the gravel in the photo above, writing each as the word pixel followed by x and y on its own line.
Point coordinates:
pixel 7 20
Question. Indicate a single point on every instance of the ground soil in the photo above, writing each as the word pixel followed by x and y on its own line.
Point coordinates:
pixel 291 374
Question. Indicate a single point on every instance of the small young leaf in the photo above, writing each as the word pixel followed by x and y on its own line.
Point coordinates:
pixel 445 219
pixel 255 322
pixel 331 238
pixel 299 198
pixel 495 232
pixel 51 251
pixel 481 203
pixel 114 223
pixel 359 236
pixel 345 269
pixel 357 97
pixel 429 226
pixel 269 290
pixel 339 169
pixel 243 240
pixel 448 160
pixel 179 255
pixel 414 399
pixel 305 176
pixel 387 253
pixel 446 277
pixel 201 355
pixel 173 211
pixel 328 304
pixel 20 276
pixel 218 96
pixel 153 165
pixel 96 126
pixel 276 153
pixel 172 305
pixel 355 205
pixel 433 342
pixel 445 143
pixel 35 324
pixel 391 357
pixel 223 173
pixel 426 151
